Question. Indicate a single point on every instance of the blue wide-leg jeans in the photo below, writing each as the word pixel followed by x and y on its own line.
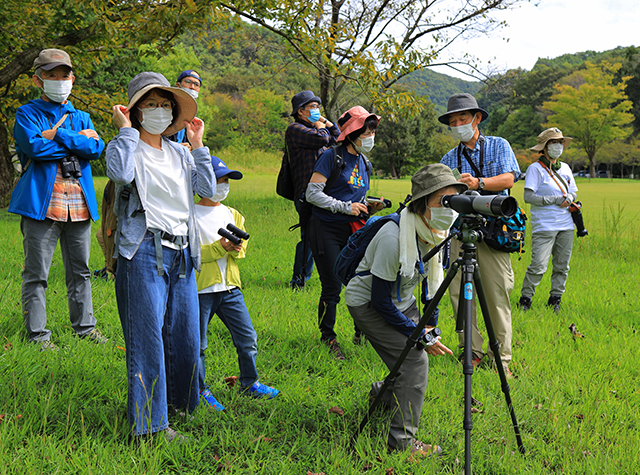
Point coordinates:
pixel 159 317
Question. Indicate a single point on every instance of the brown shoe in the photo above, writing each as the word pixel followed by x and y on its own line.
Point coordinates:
pixel 420 449
pixel 334 348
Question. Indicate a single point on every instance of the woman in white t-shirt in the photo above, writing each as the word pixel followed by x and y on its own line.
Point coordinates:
pixel 550 189
pixel 158 247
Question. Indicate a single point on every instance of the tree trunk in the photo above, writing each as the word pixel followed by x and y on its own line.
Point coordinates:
pixel 592 165
pixel 392 169
pixel 7 174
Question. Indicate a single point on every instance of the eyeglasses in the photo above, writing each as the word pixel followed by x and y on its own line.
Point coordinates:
pixel 151 104
pixel 312 107
pixel 190 82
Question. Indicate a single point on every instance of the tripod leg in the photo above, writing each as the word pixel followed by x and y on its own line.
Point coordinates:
pixel 411 342
pixel 495 347
pixel 465 309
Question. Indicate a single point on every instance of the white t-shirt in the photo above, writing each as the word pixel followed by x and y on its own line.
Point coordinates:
pixel 167 200
pixel 382 259
pixel 550 217
pixel 210 219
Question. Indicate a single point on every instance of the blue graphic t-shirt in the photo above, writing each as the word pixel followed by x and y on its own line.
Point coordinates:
pixel 352 184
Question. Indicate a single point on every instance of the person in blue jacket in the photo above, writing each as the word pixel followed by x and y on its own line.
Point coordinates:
pixel 190 82
pixel 55 197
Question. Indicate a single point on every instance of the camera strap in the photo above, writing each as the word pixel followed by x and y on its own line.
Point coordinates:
pixel 551 173
pixel 54 127
pixel 462 150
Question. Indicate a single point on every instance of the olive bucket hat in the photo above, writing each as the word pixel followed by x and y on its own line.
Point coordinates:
pixel 432 178
pixel 146 81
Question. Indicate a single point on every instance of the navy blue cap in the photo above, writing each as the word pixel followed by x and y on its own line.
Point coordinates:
pixel 221 169
pixel 189 73
pixel 303 98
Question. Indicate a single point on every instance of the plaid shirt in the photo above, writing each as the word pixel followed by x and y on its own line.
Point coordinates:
pixel 67 200
pixel 305 144
pixel 498 159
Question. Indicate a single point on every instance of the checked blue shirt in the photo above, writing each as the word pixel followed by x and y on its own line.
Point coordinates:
pixel 498 159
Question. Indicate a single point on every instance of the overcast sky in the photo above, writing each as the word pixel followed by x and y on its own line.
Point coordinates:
pixel 553 28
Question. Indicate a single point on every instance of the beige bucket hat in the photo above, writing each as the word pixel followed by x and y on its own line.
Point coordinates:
pixel 144 82
pixel 553 133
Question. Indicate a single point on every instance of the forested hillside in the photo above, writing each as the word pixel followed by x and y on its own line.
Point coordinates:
pixel 439 87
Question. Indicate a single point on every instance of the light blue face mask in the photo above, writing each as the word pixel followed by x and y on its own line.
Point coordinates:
pixel 314 115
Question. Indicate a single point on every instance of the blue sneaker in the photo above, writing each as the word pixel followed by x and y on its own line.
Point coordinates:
pixel 259 390
pixel 211 401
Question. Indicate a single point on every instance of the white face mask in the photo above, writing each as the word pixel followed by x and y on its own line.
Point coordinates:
pixel 155 121
pixel 463 133
pixel 222 191
pixel 57 91
pixel 442 218
pixel 366 144
pixel 555 150
pixel 192 92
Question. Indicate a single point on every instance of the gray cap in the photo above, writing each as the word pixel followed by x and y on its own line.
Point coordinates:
pixel 52 58
pixel 432 178
pixel 459 103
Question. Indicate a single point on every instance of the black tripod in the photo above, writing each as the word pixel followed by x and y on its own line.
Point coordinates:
pixel 469 234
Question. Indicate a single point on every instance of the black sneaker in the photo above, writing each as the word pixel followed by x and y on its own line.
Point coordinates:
pixel 554 301
pixel 524 303
pixel 334 348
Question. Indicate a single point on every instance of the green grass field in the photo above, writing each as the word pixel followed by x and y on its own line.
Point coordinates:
pixel 577 401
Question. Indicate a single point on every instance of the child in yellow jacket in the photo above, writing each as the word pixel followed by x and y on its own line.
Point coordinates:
pixel 219 287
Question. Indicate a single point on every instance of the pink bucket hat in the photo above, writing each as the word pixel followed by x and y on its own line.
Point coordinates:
pixel 353 120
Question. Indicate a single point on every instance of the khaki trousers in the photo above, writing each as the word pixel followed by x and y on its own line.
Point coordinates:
pixel 496 275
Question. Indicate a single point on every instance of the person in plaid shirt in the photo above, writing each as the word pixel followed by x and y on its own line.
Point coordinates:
pixel 498 170
pixel 55 197
pixel 306 138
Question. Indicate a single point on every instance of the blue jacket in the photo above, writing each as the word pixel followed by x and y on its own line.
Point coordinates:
pixel 32 193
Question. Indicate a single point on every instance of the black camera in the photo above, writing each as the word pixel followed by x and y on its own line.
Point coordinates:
pixel 472 202
pixel 578 220
pixel 70 167
pixel 233 234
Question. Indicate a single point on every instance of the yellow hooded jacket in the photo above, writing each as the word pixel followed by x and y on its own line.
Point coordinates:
pixel 210 272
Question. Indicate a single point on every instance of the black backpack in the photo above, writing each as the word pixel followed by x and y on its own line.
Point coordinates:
pixel 351 255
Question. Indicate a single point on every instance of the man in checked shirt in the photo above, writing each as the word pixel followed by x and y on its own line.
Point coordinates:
pixel 306 139
pixel 55 197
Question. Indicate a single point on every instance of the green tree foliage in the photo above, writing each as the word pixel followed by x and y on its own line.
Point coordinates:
pixel 90 30
pixel 591 109
pixel 370 44
pixel 255 121
pixel 521 127
pixel 631 69
pixel 438 87
pixel 405 145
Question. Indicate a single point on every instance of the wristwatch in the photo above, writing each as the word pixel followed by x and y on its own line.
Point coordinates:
pixel 480 184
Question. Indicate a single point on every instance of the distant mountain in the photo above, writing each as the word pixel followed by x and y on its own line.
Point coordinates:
pixel 439 87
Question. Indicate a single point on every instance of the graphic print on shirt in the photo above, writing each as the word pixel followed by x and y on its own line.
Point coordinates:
pixel 356 180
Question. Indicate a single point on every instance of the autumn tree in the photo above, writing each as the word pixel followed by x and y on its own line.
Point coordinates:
pixel 371 44
pixel 591 109
pixel 90 30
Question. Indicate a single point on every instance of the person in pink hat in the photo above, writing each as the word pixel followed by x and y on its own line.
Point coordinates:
pixel 337 190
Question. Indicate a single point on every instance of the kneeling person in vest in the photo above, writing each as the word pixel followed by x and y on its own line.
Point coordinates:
pixel 381 302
